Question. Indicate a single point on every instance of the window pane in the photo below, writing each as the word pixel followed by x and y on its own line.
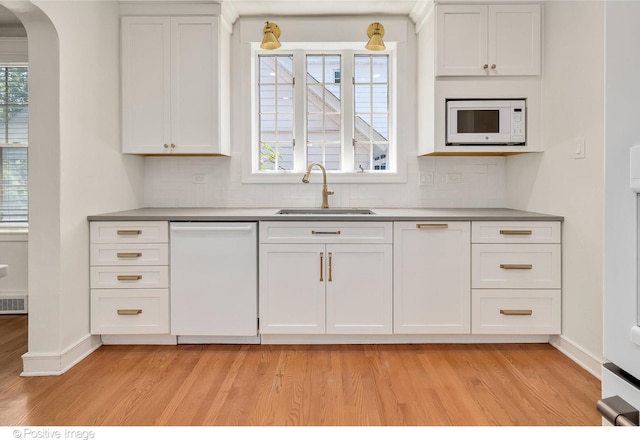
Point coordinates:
pixel 362 155
pixel 276 104
pixel 362 69
pixel 13 187
pixel 371 119
pixel 324 124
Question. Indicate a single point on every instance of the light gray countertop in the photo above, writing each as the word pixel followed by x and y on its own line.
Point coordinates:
pixel 270 214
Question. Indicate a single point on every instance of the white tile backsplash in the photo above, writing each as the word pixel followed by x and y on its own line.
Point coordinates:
pixel 168 182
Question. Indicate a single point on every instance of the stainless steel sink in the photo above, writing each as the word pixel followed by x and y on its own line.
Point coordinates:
pixel 325 211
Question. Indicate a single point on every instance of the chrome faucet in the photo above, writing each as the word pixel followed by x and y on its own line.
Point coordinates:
pixel 325 191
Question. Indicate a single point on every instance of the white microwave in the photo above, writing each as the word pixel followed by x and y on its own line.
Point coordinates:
pixel 486 122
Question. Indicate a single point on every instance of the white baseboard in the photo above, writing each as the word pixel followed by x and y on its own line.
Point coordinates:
pixel 55 364
pixel 579 355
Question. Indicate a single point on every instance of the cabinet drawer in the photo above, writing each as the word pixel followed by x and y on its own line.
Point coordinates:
pixel 326 232
pixel 142 254
pixel 129 232
pixel 533 266
pixel 140 311
pixel 515 311
pixel 515 232
pixel 127 277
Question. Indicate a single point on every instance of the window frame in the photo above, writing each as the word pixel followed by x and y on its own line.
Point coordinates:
pixel 252 174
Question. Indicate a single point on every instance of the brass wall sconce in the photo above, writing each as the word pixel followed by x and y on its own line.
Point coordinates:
pixel 271 33
pixel 375 32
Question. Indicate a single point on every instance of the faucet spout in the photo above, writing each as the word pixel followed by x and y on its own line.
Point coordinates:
pixel 325 191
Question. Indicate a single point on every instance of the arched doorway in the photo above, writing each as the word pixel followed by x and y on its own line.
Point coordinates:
pixel 44 182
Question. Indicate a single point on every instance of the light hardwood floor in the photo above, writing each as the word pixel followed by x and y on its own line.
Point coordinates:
pixel 247 385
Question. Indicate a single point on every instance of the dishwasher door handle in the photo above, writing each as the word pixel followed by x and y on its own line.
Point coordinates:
pixel 213 228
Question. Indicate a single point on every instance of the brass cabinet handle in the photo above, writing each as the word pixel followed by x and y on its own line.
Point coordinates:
pixel 321 265
pixel 432 226
pixel 325 232
pixel 330 266
pixel 129 277
pixel 516 312
pixel 129 312
pixel 166 145
pixel 493 66
pixel 485 67
pixel 515 232
pixel 129 254
pixel 173 145
pixel 129 232
pixel 516 266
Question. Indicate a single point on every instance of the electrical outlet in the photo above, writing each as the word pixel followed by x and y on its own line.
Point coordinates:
pixel 426 179
pixel 199 178
pixel 454 178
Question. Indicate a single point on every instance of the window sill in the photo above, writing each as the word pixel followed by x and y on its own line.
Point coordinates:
pixel 316 176
pixel 14 233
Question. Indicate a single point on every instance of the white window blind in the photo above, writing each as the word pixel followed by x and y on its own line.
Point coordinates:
pixel 14 134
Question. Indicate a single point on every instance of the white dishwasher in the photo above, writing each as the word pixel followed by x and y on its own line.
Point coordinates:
pixel 214 283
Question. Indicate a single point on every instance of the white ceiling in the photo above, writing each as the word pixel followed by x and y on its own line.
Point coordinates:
pixel 291 7
pixel 7 19
pixel 322 7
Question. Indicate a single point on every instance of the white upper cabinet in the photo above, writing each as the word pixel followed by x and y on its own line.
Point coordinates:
pixel 172 86
pixel 481 40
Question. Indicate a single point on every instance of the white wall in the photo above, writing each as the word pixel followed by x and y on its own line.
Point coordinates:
pixel 75 167
pixel 169 181
pixel 554 182
pixel 13 251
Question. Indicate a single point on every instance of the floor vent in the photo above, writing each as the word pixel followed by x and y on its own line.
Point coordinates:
pixel 13 305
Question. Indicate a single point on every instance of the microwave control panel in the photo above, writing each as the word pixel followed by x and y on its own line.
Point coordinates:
pixel 518 124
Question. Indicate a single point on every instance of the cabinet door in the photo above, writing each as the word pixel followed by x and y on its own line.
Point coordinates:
pixel 432 292
pixel 145 79
pixel 194 85
pixel 359 288
pixel 461 40
pixel 292 285
pixel 514 40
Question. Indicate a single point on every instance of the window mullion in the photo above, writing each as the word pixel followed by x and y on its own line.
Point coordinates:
pixel 300 106
pixel 348 111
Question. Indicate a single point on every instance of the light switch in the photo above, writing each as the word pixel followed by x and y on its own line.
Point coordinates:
pixel 579 149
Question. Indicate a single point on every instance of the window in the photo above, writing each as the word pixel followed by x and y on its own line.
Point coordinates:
pixel 332 107
pixel 14 122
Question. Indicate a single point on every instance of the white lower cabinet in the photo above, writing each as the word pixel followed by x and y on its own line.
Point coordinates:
pixel 119 311
pixel 331 282
pixel 432 292
pixel 516 311
pixel 129 278
pixel 516 278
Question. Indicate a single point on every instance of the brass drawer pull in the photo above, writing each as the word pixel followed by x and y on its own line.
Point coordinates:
pixel 129 312
pixel 321 265
pixel 129 254
pixel 130 232
pixel 432 226
pixel 516 312
pixel 330 266
pixel 516 266
pixel 515 232
pixel 325 232
pixel 129 277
